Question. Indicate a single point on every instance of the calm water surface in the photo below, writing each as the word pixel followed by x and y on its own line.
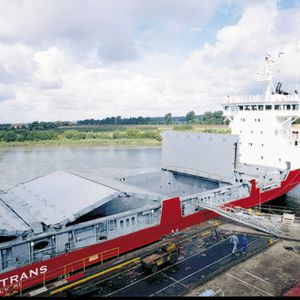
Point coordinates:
pixel 21 165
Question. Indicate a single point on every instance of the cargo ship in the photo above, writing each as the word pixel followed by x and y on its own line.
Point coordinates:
pixel 55 225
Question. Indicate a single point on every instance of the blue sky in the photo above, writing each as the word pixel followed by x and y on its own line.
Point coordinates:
pixel 92 59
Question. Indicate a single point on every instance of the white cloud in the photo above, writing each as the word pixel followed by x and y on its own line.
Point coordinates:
pixel 232 62
pixel 97 61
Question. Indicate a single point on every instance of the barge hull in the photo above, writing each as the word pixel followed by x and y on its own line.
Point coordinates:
pixel 15 281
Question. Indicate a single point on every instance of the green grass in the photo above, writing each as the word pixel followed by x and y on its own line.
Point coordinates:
pixel 131 137
pixel 85 142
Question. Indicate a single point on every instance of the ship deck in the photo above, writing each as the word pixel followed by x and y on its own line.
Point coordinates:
pixel 173 184
pixel 62 198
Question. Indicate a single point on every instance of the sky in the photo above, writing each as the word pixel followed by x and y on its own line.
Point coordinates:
pixel 81 59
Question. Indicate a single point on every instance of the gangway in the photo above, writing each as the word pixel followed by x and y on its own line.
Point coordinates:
pixel 241 215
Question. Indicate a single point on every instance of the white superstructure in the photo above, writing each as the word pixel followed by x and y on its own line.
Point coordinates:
pixel 264 125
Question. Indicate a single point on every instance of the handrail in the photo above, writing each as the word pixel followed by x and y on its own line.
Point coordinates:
pixel 20 284
pixel 231 212
pixel 261 99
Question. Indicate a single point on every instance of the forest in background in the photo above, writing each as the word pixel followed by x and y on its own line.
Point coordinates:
pixel 110 128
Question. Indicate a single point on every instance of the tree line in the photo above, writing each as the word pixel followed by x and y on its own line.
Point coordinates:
pixel 13 135
pixel 117 120
pixel 42 135
pixel 208 118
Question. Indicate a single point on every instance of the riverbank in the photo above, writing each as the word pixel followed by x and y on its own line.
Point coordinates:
pixel 85 142
pixel 126 136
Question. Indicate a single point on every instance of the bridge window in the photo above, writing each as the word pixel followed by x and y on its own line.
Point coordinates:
pixel 260 107
pixel 121 223
pixel 277 107
pixel 287 107
pixel 226 108
pixel 132 220
pixel 268 107
pixel 232 108
pixel 247 107
pixel 127 222
pixel 241 107
pixel 253 107
pixel 295 107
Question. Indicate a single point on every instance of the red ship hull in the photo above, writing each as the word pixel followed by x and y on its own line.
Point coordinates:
pixel 171 220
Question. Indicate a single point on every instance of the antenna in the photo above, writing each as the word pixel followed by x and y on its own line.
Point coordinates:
pixel 268 75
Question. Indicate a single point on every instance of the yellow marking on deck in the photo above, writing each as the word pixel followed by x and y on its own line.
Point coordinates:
pixel 66 287
pixel 206 233
pixel 216 222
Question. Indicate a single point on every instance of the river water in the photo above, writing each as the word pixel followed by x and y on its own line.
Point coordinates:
pixel 21 165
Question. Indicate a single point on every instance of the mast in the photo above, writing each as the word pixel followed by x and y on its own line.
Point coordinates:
pixel 269 76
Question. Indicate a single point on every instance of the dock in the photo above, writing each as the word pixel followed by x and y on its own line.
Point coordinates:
pixel 205 266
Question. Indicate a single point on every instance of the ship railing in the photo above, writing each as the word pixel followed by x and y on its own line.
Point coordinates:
pixel 65 271
pixel 268 208
pixel 82 263
pixel 261 99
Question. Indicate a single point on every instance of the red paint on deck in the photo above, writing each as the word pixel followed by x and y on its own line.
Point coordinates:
pixel 294 292
pixel 75 277
pixel 171 220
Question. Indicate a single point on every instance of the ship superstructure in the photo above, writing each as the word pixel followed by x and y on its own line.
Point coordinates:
pixel 61 222
pixel 264 124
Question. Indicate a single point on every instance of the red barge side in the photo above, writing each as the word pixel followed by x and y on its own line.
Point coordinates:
pixel 171 220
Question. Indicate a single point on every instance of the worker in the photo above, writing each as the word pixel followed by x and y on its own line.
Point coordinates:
pixel 217 234
pixel 244 245
pixel 234 240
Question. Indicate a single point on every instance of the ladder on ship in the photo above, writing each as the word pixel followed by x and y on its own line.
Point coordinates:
pixel 241 215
